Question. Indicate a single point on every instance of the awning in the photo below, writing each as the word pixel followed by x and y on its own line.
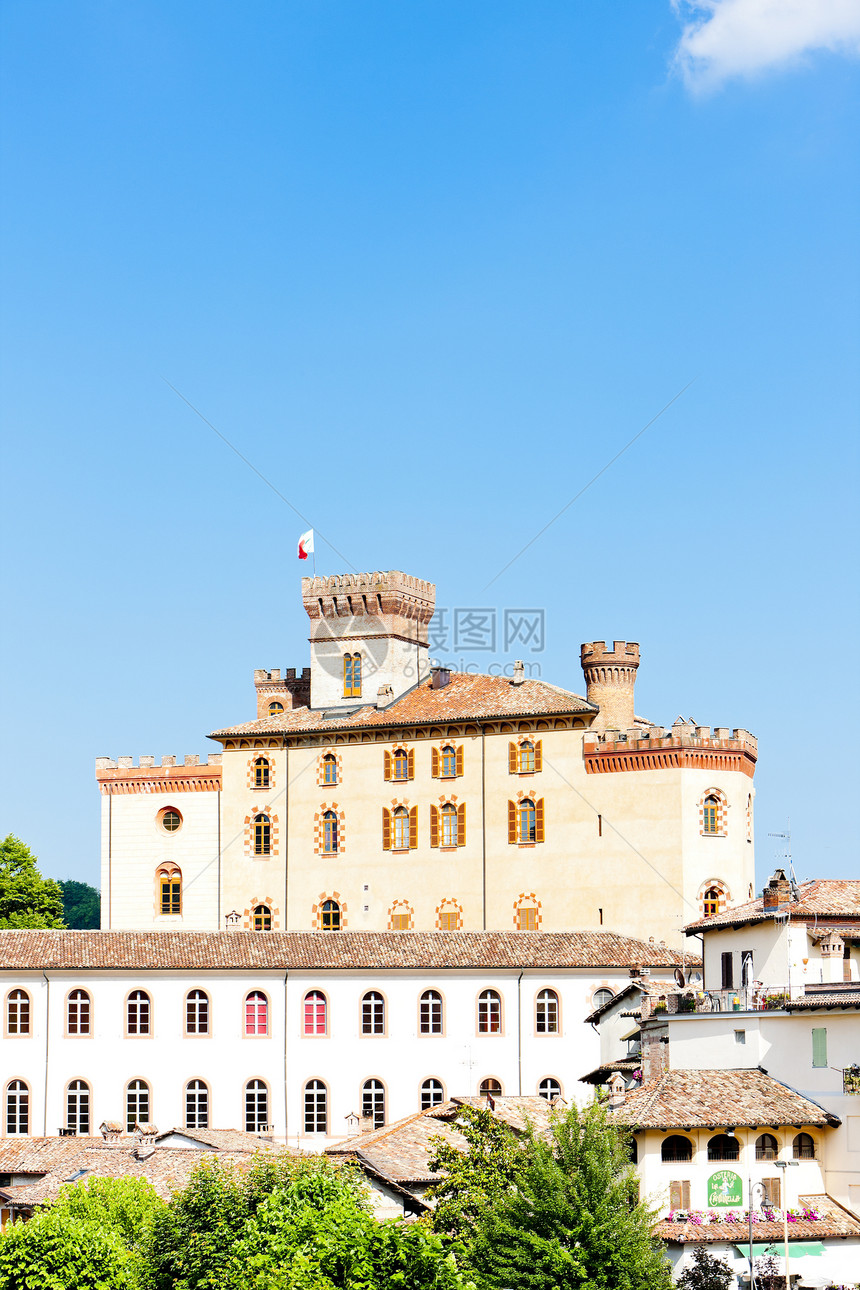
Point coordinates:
pixel 796 1249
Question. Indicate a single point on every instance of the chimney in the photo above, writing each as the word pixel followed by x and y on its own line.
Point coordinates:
pixel 777 893
pixel 384 696
pixel 439 677
pixel 233 921
pixel 365 1124
pixel 617 1090
pixel 111 1130
pixel 832 949
pixel 519 673
pixel 610 675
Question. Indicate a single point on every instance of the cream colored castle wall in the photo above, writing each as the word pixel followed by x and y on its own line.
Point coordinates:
pixel 645 872
pixel 385 660
pixel 134 846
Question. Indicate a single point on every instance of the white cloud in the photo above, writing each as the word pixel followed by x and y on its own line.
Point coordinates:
pixel 726 38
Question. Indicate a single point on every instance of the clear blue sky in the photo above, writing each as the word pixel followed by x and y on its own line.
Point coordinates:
pixel 429 265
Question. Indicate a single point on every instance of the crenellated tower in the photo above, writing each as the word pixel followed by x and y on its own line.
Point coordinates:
pixel 610 677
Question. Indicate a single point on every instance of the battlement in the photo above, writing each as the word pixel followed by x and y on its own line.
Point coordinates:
pixel 288 689
pixel 261 676
pixel 384 598
pixel 656 748
pixel 625 653
pixel 191 776
pixel 371 583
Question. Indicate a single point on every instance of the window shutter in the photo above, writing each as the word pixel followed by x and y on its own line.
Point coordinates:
pixel 512 820
pixel 539 820
pixel 819 1046
pixel 771 1191
pixel 675 1195
pixel 413 826
pixel 460 759
pixel 461 825
pixel 727 963
pixel 410 763
pixel 386 763
pixel 386 827
pixel 685 1195
pixel 512 759
pixel 434 762
pixel 434 825
pixel 538 754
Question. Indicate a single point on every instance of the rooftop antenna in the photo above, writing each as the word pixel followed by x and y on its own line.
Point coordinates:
pixel 785 856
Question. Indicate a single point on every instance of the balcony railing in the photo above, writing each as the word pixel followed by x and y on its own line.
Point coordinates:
pixel 754 998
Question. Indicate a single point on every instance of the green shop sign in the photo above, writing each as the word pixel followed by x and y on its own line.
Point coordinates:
pixel 725 1188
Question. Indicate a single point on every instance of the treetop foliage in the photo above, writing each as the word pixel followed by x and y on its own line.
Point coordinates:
pixel 27 900
pixel 81 904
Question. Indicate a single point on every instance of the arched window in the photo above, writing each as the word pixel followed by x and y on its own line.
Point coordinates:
pixel 401 764
pixel 78 1013
pixel 723 1147
pixel 138 1013
pixel 78 1107
pixel 449 917
pixel 430 1018
pixel 601 997
pixel 329 832
pixel 196 1105
pixel 330 916
pixel 711 901
pixel 449 762
pixel 138 1106
pixel 526 757
pixel 373 1101
pixel 489 1087
pixel 197 1013
pixel 526 820
pixel 169 890
pixel 400 917
pixel 352 676
pixel 275 708
pixel 262 835
pixel 17 1107
pixel 329 769
pixel 489 1013
pixel 549 1088
pixel 432 1094
pixel 316 1107
pixel 710 812
pixel 449 825
pixel 18 1013
pixel 261 918
pixel 256 1106
pixel 803 1147
pixel 400 820
pixel 373 1013
pixel 676 1149
pixel 256 1013
pixel 260 777
pixel 316 1013
pixel 546 1013
pixel 766 1147
pixel 527 918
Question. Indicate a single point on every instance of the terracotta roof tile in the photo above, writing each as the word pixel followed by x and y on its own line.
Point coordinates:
pixel 321 951
pixel 715 1098
pixel 820 898
pixel 834 1221
pixel 467 697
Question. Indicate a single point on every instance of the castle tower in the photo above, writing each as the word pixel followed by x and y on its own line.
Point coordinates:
pixel 610 675
pixel 369 637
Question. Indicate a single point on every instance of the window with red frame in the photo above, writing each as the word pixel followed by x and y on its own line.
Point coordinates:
pixel 256 1013
pixel 315 1013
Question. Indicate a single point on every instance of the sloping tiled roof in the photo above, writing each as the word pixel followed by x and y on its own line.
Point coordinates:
pixel 600 1074
pixel 642 985
pixel 834 1221
pixel 165 1168
pixel 834 998
pixel 402 1152
pixel 467 697
pixel 320 951
pixel 716 1098
pixel 40 1155
pixel 219 1139
pixel 832 898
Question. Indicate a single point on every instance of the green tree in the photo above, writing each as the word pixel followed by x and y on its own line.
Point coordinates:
pixel 26 898
pixel 81 904
pixel 565 1214
pixel 287 1224
pixel 89 1239
pixel 706 1272
pixel 473 1181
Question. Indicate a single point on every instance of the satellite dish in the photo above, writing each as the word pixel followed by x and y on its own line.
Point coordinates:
pixel 679 977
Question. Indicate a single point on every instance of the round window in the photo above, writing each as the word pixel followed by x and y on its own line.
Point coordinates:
pixel 170 820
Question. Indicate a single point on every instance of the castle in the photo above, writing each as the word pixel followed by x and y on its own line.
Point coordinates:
pixel 373 791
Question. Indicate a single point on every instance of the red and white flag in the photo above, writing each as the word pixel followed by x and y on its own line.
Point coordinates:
pixel 306 544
